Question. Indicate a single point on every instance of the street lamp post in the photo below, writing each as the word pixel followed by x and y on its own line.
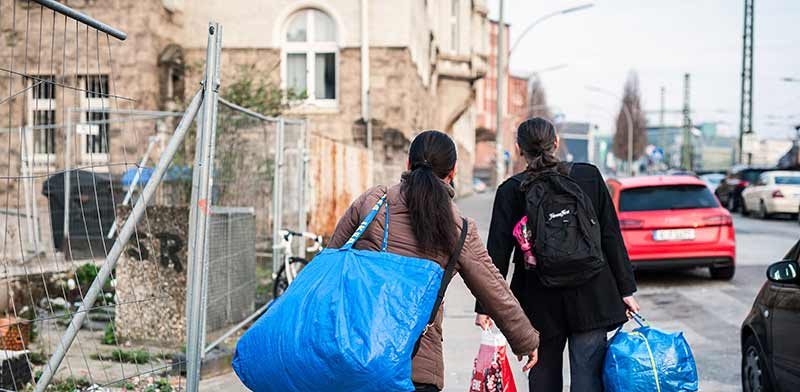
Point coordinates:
pixel 628 117
pixel 500 166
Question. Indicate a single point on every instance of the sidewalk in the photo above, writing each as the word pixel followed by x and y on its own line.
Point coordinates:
pixel 461 336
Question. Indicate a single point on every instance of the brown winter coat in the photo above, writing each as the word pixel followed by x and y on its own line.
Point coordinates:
pixel 474 265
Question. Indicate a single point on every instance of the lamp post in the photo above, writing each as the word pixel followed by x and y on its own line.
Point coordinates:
pixel 627 112
pixel 545 17
pixel 500 164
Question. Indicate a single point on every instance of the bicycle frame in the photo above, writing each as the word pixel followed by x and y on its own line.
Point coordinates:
pixel 286 244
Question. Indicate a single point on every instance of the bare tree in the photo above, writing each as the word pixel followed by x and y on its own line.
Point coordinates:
pixel 537 99
pixel 630 115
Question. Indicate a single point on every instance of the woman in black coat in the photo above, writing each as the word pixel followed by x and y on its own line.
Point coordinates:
pixel 581 315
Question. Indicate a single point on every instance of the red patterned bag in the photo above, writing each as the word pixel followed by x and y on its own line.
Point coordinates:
pixel 492 372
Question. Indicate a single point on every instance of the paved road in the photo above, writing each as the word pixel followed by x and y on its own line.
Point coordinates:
pixel 708 312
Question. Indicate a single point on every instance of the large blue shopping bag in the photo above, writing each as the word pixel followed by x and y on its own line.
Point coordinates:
pixel 348 322
pixel 649 360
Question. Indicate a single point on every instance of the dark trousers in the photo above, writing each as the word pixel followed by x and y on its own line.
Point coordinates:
pixel 586 353
pixel 425 388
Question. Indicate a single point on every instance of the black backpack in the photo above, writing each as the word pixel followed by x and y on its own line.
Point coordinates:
pixel 565 230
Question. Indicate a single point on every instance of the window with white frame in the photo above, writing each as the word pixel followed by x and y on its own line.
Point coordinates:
pixel 94 117
pixel 41 120
pixel 310 56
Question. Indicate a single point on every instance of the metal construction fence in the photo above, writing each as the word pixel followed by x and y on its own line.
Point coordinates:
pixel 136 241
pixel 110 217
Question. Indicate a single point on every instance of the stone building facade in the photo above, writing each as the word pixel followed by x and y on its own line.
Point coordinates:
pixel 515 110
pixel 387 68
pixel 424 60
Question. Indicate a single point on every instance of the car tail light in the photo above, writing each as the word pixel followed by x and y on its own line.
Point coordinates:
pixel 718 220
pixel 630 224
pixel 777 194
pixel 744 184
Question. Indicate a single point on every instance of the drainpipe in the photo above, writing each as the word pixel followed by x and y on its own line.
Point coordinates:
pixel 365 82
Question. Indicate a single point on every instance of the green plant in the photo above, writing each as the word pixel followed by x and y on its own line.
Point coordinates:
pixel 109 334
pixel 162 385
pixel 86 273
pixel 119 355
pixel 70 384
pixel 128 386
pixel 37 358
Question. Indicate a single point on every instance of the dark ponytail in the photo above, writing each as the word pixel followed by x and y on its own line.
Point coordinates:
pixel 537 140
pixel 431 158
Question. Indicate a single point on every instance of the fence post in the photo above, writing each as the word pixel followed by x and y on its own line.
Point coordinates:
pixel 277 199
pixel 67 184
pixel 125 234
pixel 302 157
pixel 201 209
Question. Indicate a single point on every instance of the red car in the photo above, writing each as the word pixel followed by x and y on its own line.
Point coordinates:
pixel 674 222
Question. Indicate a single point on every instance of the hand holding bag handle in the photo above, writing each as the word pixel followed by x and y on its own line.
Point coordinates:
pixel 449 271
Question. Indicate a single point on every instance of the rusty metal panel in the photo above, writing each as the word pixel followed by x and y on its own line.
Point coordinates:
pixel 339 173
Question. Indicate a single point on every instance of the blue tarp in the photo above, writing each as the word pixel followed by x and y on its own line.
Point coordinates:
pixel 174 173
pixel 130 174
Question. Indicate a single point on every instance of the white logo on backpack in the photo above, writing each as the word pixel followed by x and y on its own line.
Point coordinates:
pixel 554 215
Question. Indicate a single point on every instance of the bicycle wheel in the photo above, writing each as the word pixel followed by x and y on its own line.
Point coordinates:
pixel 281 280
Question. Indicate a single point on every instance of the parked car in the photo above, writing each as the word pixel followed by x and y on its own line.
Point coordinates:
pixel 775 192
pixel 729 191
pixel 674 222
pixel 712 180
pixel 770 346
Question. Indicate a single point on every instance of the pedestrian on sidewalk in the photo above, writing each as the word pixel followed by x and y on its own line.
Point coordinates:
pixel 582 314
pixel 425 223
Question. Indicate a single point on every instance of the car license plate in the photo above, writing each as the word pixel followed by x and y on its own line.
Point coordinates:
pixel 674 235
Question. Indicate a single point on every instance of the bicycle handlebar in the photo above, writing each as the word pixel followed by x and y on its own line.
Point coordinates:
pixel 287 234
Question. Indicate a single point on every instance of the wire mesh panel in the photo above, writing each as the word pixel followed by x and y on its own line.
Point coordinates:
pixel 231 268
pixel 252 151
pixel 74 156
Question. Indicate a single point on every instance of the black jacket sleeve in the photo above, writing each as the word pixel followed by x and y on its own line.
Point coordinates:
pixel 501 239
pixel 613 244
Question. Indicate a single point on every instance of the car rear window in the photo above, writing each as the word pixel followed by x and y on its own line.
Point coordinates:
pixel 751 175
pixel 672 197
pixel 787 180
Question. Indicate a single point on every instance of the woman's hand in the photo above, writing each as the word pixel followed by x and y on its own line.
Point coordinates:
pixel 483 321
pixel 533 358
pixel 631 305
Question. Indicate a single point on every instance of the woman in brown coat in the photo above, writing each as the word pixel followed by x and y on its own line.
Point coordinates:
pixel 425 224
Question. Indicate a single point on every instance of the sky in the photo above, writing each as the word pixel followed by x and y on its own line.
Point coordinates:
pixel 662 40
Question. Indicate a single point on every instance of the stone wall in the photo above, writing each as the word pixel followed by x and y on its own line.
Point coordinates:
pixel 151 278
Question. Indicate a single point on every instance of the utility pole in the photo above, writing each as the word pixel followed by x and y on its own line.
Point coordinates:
pixel 500 151
pixel 746 103
pixel 663 138
pixel 662 110
pixel 687 155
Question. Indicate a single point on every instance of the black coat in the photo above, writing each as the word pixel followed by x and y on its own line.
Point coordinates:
pixel 564 311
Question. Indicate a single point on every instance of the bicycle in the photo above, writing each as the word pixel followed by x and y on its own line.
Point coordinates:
pixel 292 265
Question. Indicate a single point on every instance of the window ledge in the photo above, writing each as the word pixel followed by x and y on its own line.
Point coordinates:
pixel 312 107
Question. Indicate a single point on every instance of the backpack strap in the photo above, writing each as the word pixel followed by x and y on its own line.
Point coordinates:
pixel 449 271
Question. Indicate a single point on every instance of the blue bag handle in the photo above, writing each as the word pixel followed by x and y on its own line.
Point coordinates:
pixel 642 324
pixel 638 318
pixel 366 222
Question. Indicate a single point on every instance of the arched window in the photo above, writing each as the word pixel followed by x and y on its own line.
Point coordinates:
pixel 310 55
